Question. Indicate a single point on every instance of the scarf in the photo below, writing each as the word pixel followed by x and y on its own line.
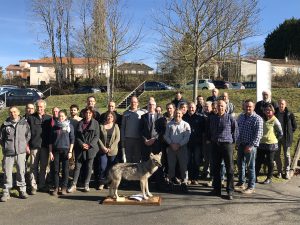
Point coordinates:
pixel 65 125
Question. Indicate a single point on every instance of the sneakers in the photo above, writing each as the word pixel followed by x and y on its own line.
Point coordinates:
pixel 239 187
pixel 55 192
pixel 287 176
pixel 72 189
pixel 23 195
pixel 33 191
pixel 279 175
pixel 268 181
pixel 209 183
pixel 64 191
pixel 5 197
pixel 175 180
pixel 86 189
pixel 229 196
pixel 248 191
pixel 101 187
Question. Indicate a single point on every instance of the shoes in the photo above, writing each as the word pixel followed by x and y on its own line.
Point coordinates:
pixel 268 181
pixel 230 196
pixel 86 189
pixel 287 176
pixel 101 187
pixel 63 191
pixel 239 187
pixel 72 189
pixel 215 193
pixel 5 197
pixel 209 183
pixel 23 195
pixel 194 182
pixel 248 191
pixel 33 191
pixel 54 192
pixel 279 175
pixel 175 180
pixel 222 183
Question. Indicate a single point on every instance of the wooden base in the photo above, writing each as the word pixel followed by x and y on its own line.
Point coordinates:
pixel 155 200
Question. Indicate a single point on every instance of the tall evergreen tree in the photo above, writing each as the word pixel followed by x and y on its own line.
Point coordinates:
pixel 284 41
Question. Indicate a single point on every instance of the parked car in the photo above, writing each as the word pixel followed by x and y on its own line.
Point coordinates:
pixel 203 84
pixel 18 96
pixel 38 92
pixel 7 87
pixel 237 85
pixel 103 88
pixel 155 86
pixel 221 84
pixel 250 84
pixel 87 89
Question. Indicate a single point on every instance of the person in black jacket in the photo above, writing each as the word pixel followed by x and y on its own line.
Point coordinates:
pixel 194 145
pixel 215 95
pixel 178 100
pixel 289 125
pixel 87 136
pixel 39 124
pixel 151 143
pixel 61 149
pixel 261 105
pixel 91 102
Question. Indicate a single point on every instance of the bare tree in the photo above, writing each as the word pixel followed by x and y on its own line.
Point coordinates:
pixel 99 34
pixel 121 38
pixel 214 25
pixel 53 18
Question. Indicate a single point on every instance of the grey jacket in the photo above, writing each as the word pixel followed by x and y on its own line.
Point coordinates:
pixel 178 133
pixel 131 124
pixel 14 138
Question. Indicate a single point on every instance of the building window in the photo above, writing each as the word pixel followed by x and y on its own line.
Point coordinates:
pixel 40 69
pixel 141 72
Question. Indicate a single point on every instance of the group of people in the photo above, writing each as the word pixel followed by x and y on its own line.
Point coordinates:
pixel 189 135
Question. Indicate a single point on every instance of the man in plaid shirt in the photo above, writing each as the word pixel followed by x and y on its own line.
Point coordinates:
pixel 250 132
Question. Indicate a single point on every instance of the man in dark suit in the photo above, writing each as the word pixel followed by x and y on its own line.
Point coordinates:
pixel 148 131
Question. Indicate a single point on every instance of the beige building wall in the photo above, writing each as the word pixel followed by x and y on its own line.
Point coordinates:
pixel 39 73
pixel 281 70
pixel 248 71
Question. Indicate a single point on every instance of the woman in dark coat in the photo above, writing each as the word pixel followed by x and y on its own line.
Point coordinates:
pixel 87 137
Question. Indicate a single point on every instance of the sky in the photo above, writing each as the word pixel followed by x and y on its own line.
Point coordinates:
pixel 20 32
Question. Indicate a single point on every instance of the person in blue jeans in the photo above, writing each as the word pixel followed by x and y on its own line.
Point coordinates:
pixel 250 132
pixel 108 142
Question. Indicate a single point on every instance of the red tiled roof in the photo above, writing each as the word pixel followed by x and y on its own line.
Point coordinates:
pixel 16 67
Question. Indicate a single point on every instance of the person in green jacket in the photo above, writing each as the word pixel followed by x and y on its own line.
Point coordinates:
pixel 268 146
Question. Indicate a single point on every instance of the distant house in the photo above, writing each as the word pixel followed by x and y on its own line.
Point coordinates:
pixel 42 70
pixel 280 67
pixel 17 70
pixel 135 68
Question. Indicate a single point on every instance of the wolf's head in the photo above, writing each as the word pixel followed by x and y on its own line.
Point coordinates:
pixel 156 159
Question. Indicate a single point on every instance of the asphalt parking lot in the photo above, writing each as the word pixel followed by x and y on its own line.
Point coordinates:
pixel 271 204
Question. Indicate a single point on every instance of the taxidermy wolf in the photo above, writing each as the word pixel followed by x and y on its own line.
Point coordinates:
pixel 133 171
